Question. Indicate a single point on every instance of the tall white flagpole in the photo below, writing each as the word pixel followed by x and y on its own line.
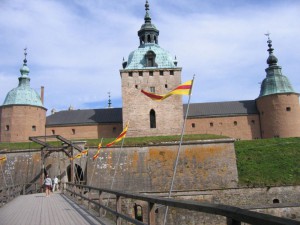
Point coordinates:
pixel 178 152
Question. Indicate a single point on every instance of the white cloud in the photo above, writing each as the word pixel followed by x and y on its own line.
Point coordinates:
pixel 75 48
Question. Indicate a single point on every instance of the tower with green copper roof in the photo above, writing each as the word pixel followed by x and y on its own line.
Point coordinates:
pixel 278 103
pixel 22 113
pixel 153 69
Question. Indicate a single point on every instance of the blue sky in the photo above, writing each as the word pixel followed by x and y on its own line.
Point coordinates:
pixel 75 47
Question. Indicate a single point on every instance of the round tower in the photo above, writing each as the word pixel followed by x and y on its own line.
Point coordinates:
pixel 152 69
pixel 278 103
pixel 22 114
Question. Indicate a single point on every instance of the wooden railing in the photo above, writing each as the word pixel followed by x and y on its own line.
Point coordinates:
pixel 10 192
pixel 234 215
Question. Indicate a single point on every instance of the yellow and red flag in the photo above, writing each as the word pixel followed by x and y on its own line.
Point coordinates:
pixel 3 158
pixel 182 89
pixel 119 138
pixel 85 151
pixel 78 156
pixel 98 151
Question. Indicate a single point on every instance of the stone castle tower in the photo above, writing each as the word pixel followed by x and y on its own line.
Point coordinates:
pixel 152 69
pixel 278 103
pixel 22 114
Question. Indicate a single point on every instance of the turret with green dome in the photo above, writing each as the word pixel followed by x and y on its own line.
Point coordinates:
pixel 149 54
pixel 23 94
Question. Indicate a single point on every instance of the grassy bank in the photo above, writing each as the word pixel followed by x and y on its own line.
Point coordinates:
pixel 268 162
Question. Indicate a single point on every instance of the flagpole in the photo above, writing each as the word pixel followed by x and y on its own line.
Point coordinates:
pixel 178 152
pixel 96 163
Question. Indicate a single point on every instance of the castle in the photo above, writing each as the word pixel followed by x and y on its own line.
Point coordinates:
pixel 275 113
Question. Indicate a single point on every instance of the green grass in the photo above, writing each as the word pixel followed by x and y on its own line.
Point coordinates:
pixel 268 162
pixel 137 141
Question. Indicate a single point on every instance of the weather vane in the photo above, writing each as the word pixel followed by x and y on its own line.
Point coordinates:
pixel 268 35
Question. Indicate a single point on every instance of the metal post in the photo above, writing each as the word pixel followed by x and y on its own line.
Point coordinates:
pixel 118 209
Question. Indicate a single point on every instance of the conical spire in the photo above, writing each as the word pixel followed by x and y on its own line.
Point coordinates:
pixel 148 32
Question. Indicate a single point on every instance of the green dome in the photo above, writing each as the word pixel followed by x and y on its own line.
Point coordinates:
pixel 23 94
pixel 275 82
pixel 137 59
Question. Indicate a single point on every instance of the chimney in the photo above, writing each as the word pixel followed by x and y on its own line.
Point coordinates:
pixel 42 94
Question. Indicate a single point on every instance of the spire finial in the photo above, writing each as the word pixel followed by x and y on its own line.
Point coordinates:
pixel 272 60
pixel 25 54
pixel 147 16
pixel 109 101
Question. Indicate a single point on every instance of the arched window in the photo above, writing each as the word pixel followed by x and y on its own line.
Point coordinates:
pixel 138 212
pixel 152 119
pixel 150 59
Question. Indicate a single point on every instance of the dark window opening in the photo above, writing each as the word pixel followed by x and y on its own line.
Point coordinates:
pixel 130 74
pixel 161 72
pixel 138 212
pixel 235 123
pixel 114 129
pixel 211 124
pixel 53 131
pixel 136 86
pixel 33 128
pixel 140 73
pixel 193 125
pixel 7 127
pixel 253 121
pixel 166 86
pixel 148 38
pixel 171 72
pixel 276 200
pixel 73 131
pixel 288 109
pixel 150 73
pixel 152 119
pixel 152 89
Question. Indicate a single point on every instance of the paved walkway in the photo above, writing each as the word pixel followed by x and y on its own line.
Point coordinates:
pixel 37 209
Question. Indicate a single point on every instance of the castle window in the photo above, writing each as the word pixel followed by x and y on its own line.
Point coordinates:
pixel 193 125
pixel 161 72
pixel 235 123
pixel 7 127
pixel 166 86
pixel 73 131
pixel 288 109
pixel 53 132
pixel 150 73
pixel 211 124
pixel 150 59
pixel 152 119
pixel 171 72
pixel 136 86
pixel 253 121
pixel 140 73
pixel 33 128
pixel 152 89
pixel 130 74
pixel 138 212
pixel 275 200
pixel 114 129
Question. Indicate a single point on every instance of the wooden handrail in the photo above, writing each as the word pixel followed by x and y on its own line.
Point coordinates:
pixel 234 215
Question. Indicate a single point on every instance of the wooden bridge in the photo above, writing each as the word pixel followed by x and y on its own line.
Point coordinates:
pixel 79 204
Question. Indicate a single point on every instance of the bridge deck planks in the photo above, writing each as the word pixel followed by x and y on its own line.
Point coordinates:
pixel 37 209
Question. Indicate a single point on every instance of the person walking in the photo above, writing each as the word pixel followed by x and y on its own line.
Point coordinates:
pixel 55 184
pixel 48 185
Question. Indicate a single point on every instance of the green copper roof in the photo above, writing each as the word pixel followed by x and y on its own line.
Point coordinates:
pixel 137 58
pixel 275 82
pixel 23 94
